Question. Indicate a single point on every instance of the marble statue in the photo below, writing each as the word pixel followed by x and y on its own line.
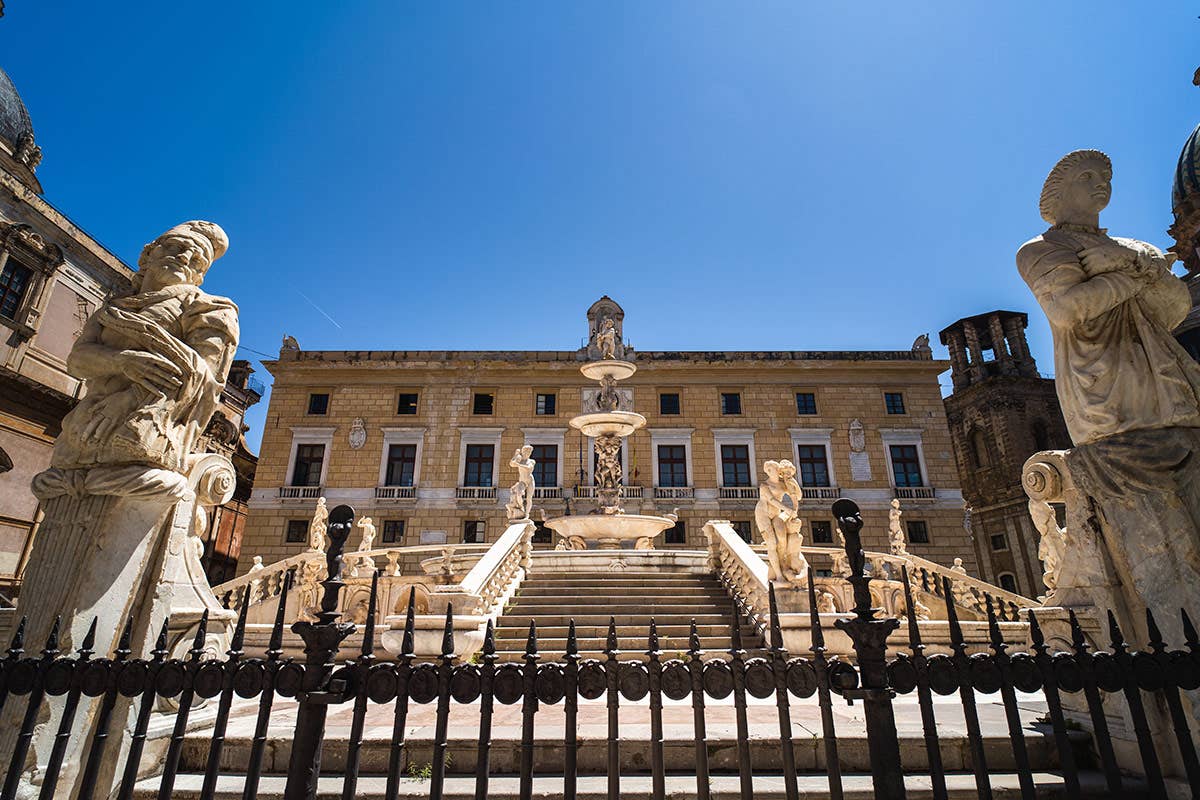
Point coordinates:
pixel 363 564
pixel 520 501
pixel 308 588
pixel 290 343
pixel 921 346
pixel 606 338
pixel 964 596
pixel 317 528
pixel 608 472
pixel 1129 392
pixel 779 524
pixel 826 603
pixel 922 611
pixel 255 585
pixel 124 497
pixel 1052 544
pixel 896 530
pixel 368 534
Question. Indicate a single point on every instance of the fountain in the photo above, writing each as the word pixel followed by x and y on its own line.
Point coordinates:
pixel 609 425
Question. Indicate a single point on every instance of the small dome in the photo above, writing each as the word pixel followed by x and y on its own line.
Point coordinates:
pixel 14 119
pixel 1187 172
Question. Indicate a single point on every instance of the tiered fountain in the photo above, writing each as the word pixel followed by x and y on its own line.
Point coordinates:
pixel 610 527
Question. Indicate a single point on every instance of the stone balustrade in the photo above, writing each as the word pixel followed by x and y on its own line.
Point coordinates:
pixel 395 492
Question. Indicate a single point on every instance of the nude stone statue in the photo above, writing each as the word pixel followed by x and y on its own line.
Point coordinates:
pixel 155 361
pixel 1052 544
pixel 318 527
pixel 1130 395
pixel 606 338
pixel 520 502
pixel 896 530
pixel 779 525
pixel 368 534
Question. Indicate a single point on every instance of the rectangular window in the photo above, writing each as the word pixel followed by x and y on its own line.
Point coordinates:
pixel 806 403
pixel 999 541
pixel 14 281
pixel 318 404
pixel 307 471
pixel 401 465
pixel 812 465
pixel 822 531
pixel 478 470
pixel 297 531
pixel 406 403
pixel 906 465
pixel 484 403
pixel 672 465
pixel 743 529
pixel 731 403
pixel 894 402
pixel 735 465
pixel 545 471
pixel 918 532
pixel 544 405
pixel 474 531
pixel 668 403
pixel 676 534
pixel 393 531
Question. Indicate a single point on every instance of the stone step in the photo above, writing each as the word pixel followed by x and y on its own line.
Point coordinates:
pixel 621 580
pixel 632 644
pixel 605 593
pixel 856 786
pixel 599 575
pixel 613 606
pixel 673 632
pixel 637 622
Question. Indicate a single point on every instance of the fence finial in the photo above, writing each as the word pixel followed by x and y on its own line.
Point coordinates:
pixel 368 643
pixel 956 634
pixel 275 644
pixel 610 644
pixel 406 646
pixel 773 617
pixel 531 643
pixel 1114 632
pixel 89 640
pixel 1035 633
pixel 735 632
pixel 1189 631
pixel 694 640
pixel 652 641
pixel 123 646
pixel 998 645
pixel 1155 639
pixel 1078 641
pixel 448 633
pixel 489 639
pixel 159 653
pixel 814 617
pixel 51 648
pixel 17 646
pixel 572 642
pixel 198 642
pixel 914 630
pixel 239 628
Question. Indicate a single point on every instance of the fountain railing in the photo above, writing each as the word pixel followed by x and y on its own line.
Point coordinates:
pixel 495 577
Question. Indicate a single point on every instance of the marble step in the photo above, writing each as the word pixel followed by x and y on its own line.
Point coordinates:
pixel 856 786
pixel 627 622
pixel 630 644
pixel 605 593
pixel 624 631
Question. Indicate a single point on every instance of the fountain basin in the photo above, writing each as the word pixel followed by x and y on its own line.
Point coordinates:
pixel 608 423
pixel 617 370
pixel 609 531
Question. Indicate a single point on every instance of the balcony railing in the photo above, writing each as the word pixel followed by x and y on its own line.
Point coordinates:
pixel 915 492
pixel 475 493
pixel 299 492
pixel 395 493
pixel 589 492
pixel 738 493
pixel 821 492
pixel 674 493
pixel 547 493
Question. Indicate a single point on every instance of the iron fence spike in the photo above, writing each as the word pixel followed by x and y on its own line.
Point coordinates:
pixel 198 642
pixel 406 646
pixel 735 630
pixel 773 615
pixel 1114 632
pixel 275 644
pixel 814 617
pixel 448 632
pixel 239 628
pixel 89 640
pixel 52 640
pixel 1035 632
pixel 123 650
pixel 1078 641
pixel 1155 638
pixel 956 634
pixel 489 639
pixel 652 640
pixel 17 646
pixel 1189 630
pixel 572 643
pixel 997 640
pixel 693 639
pixel 531 641
pixel 914 631
pixel 610 644
pixel 368 645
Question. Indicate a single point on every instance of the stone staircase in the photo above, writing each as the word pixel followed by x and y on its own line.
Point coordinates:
pixel 591 598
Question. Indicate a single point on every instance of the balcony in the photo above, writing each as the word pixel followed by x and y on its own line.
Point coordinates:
pixel 821 492
pixel 589 492
pixel 395 493
pixel 475 493
pixel 737 492
pixel 299 492
pixel 915 492
pixel 674 493
pixel 547 493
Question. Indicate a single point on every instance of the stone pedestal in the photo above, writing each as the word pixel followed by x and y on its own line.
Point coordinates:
pixel 116 544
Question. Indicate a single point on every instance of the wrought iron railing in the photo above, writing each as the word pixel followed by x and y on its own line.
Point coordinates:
pixel 363 683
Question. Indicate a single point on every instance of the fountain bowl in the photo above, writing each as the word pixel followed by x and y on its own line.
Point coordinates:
pixel 618 370
pixel 609 531
pixel 608 423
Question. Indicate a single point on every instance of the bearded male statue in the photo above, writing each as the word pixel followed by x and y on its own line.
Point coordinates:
pixel 1130 395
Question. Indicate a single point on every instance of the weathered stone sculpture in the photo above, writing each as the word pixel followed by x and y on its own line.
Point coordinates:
pixel 122 496
pixel 1129 394
pixel 896 530
pixel 256 588
pixel 361 565
pixel 1051 545
pixel 777 520
pixel 317 529
pixel 520 501
pixel 606 338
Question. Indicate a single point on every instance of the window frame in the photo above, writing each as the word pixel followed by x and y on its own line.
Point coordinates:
pixel 307 435
pixel 812 437
pixel 1003 537
pixel 904 436
pixel 816 412
pixel 537 403
pixel 384 533
pixel 389 461
pixel 923 525
pixel 735 393
pixel 308 412
pixel 549 436
pixel 287 531
pixel 824 461
pixel 393 435
pixel 812 528
pixel 469 436
pixel 1000 581
pixel 416 412
pixel 478 393
pixel 678 403
pixel 22 296
pixel 733 436
pixel 479 526
pixel 738 524
pixel 887 404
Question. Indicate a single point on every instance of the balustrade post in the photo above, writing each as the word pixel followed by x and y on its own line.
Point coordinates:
pixel 869 636
pixel 321 641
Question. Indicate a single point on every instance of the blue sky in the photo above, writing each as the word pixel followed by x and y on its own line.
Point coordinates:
pixel 467 176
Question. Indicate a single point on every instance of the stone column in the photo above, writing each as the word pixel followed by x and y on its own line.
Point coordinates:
pixel 959 366
pixel 999 347
pixel 1019 347
pixel 978 370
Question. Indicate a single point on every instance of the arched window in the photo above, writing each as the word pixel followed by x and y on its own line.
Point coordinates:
pixel 1007 581
pixel 1041 437
pixel 977 444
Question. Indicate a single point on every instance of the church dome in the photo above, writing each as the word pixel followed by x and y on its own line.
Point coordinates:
pixel 14 119
pixel 1187 173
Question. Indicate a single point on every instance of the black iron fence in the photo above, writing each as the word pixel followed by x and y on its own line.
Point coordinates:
pixel 319 682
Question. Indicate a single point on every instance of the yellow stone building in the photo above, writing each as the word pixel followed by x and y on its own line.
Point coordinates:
pixel 421 441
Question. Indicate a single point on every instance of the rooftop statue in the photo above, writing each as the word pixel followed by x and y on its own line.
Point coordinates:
pixel 606 338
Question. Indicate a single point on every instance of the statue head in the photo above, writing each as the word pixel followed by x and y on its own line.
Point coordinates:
pixel 526 451
pixel 181 255
pixel 364 522
pixel 787 470
pixel 607 325
pixel 772 469
pixel 258 561
pixel 320 502
pixel 1079 184
pixel 896 504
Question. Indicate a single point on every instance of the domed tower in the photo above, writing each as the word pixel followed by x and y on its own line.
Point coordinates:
pixel 19 153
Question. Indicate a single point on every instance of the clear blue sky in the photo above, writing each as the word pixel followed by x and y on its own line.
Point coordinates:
pixel 466 176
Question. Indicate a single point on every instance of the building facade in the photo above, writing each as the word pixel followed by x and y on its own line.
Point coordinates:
pixel 420 441
pixel 53 275
pixel 1000 412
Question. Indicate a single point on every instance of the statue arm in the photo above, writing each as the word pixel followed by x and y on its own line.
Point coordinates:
pixel 1068 296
